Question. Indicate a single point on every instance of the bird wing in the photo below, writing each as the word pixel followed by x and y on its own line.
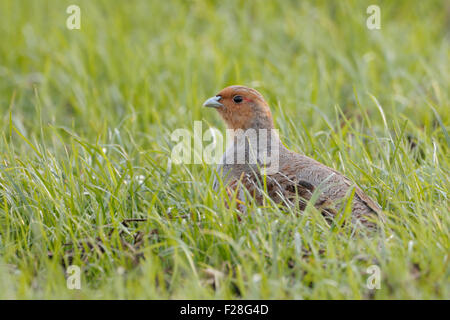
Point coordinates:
pixel 375 207
pixel 315 173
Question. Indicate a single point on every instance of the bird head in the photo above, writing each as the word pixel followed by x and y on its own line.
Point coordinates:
pixel 242 108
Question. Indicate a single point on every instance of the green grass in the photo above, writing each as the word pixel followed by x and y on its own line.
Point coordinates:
pixel 87 115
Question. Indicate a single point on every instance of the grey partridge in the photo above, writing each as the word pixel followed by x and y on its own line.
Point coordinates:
pixel 296 177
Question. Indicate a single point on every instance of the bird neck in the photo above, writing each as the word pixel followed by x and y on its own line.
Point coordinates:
pixel 261 123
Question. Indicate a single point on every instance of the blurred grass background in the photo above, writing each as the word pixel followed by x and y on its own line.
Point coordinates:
pixel 86 121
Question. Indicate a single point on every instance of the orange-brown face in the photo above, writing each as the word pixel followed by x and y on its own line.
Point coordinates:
pixel 242 108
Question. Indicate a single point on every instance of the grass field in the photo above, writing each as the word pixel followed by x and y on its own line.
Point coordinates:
pixel 86 117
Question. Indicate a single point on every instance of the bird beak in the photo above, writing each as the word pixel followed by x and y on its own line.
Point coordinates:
pixel 213 102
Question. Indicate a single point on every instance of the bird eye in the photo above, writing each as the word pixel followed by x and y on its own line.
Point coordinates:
pixel 237 99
